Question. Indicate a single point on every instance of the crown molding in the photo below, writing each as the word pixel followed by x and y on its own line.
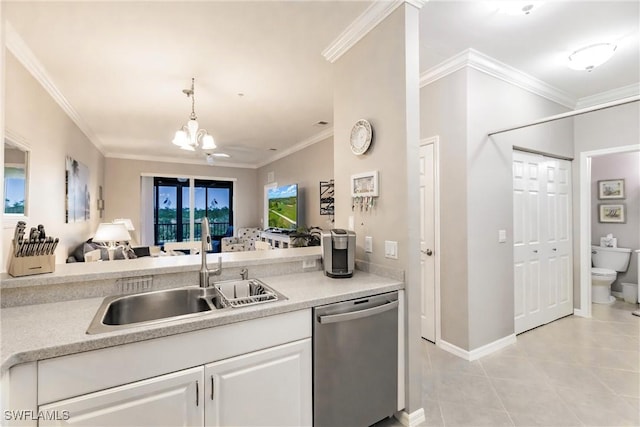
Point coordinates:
pixel 479 61
pixel 19 48
pixel 17 139
pixel 360 27
pixel 200 162
pixel 610 95
pixel 298 147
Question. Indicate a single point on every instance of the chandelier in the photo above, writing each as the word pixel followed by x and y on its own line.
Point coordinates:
pixel 191 136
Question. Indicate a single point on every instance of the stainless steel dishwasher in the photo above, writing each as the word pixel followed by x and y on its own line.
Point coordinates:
pixel 355 361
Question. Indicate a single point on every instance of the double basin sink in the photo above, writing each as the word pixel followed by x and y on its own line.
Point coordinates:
pixel 121 312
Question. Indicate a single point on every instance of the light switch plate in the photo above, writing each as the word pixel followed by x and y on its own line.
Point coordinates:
pixel 368 244
pixel 502 236
pixel 391 249
pixel 351 223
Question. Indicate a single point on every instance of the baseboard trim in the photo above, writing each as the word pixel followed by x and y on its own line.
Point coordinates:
pixel 580 313
pixel 480 351
pixel 410 419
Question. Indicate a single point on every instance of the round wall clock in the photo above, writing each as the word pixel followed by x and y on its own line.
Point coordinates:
pixel 361 134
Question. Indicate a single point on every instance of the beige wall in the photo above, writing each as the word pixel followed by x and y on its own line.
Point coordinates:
pixel 443 111
pixel 619 166
pixel 476 279
pixel 40 123
pixel 122 188
pixel 306 168
pixel 377 79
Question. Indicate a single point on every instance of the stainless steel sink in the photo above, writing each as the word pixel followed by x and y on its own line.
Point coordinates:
pixel 121 312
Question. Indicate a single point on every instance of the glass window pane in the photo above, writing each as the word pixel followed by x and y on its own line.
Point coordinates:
pixel 167 214
pixel 218 209
pixel 14 191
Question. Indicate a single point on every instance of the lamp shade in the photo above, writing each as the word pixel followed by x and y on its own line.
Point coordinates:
pixel 128 224
pixel 109 232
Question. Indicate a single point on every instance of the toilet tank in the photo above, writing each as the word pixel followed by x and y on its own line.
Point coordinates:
pixel 612 258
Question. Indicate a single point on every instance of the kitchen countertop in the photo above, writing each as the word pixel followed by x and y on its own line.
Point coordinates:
pixel 42 331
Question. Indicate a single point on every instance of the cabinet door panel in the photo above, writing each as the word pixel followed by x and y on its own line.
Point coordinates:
pixel 169 400
pixel 271 387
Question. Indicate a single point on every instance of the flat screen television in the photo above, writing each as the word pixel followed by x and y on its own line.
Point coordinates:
pixel 283 207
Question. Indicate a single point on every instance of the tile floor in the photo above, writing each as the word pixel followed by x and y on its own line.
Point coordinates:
pixel 571 372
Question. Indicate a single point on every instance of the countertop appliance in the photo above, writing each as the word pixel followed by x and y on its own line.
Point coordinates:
pixel 355 361
pixel 338 252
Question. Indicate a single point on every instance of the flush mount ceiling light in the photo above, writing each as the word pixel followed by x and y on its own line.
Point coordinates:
pixel 191 137
pixel 516 8
pixel 591 56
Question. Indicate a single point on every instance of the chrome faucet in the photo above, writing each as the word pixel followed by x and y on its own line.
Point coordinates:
pixel 205 273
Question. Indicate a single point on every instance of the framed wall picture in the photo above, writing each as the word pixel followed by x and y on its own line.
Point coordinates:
pixel 611 213
pixel 364 184
pixel 611 189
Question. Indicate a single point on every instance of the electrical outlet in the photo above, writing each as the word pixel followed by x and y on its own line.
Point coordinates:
pixel 368 244
pixel 502 236
pixel 309 263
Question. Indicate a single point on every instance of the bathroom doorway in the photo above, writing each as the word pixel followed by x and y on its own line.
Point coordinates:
pixel 586 219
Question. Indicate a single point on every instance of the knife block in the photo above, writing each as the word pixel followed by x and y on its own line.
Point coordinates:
pixel 28 265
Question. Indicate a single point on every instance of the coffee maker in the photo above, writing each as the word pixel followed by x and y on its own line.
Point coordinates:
pixel 338 252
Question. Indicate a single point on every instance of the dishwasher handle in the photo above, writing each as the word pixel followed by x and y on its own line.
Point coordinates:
pixel 352 315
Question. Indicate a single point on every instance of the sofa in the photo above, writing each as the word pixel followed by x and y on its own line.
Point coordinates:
pixel 77 254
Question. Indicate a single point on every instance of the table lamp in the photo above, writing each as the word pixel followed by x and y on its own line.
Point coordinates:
pixel 129 226
pixel 111 233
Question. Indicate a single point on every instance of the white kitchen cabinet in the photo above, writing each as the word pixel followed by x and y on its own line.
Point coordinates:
pixel 271 387
pixel 168 400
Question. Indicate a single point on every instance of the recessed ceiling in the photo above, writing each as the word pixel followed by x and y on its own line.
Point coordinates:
pixel 261 81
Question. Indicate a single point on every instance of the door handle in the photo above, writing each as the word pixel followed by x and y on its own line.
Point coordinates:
pixel 352 315
pixel 428 252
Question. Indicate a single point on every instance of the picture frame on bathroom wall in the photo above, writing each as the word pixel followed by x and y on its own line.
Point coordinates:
pixel 610 213
pixel 611 189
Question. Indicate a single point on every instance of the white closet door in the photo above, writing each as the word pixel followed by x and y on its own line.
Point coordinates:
pixel 542 240
pixel 558 248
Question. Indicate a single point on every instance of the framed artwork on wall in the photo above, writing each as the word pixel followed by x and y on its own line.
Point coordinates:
pixel 77 191
pixel 611 189
pixel 611 213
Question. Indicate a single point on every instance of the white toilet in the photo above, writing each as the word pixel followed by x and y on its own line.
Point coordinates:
pixel 606 263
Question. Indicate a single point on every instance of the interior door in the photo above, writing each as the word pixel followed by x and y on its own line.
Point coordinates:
pixel 541 239
pixel 427 242
pixel 559 243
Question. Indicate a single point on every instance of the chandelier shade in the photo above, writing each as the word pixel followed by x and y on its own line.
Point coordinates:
pixel 191 137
